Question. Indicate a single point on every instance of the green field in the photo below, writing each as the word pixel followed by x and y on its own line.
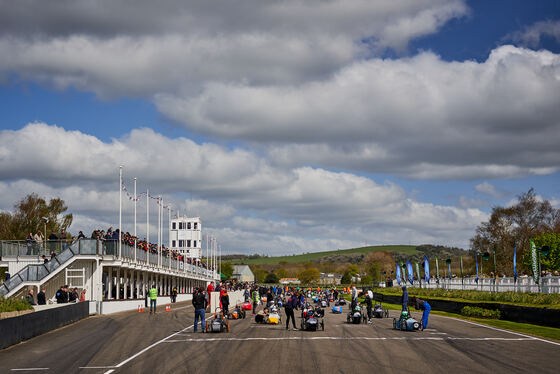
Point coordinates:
pixel 407 249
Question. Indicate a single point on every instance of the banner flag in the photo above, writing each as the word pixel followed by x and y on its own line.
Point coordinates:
pixel 514 263
pixel 437 269
pixel 410 272
pixel 449 270
pixel 426 269
pixel 476 264
pixel 398 273
pixel 418 272
pixel 534 261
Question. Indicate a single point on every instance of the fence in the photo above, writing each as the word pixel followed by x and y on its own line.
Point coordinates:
pixel 547 284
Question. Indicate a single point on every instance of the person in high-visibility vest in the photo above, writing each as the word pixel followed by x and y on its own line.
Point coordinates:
pixel 153 299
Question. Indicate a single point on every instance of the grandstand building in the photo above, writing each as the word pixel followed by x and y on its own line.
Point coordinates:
pixel 185 236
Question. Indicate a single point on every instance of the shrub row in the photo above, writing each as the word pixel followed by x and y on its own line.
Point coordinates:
pixel 482 296
pixel 474 311
pixel 12 304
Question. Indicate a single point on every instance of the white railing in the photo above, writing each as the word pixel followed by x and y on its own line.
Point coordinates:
pixel 547 284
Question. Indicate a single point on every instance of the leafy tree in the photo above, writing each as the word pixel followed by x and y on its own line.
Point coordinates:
pixel 552 261
pixel 516 224
pixel 28 217
pixel 281 273
pixel 367 280
pixel 259 273
pixel 271 278
pixel 227 269
pixel 346 278
pixel 309 275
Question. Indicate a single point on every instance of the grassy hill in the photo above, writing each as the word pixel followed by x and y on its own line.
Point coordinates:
pixel 317 256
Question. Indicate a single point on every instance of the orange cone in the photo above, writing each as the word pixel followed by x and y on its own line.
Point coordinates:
pixel 168 308
pixel 140 308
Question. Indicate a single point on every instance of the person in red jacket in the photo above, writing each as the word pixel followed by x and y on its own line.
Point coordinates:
pixel 209 291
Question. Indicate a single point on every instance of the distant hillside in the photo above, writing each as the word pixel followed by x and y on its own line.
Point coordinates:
pixel 353 255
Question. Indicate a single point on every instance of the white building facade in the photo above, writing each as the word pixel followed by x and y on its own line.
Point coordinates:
pixel 185 236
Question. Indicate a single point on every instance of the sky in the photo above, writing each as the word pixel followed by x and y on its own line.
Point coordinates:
pixel 287 126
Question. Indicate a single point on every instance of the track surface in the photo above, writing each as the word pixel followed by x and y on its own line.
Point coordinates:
pixel 135 342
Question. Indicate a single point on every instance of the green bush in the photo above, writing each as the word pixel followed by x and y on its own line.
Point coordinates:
pixel 474 311
pixel 482 296
pixel 11 305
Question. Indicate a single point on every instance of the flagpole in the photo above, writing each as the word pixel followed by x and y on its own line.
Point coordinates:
pixel 148 220
pixel 135 239
pixel 120 210
pixel 158 232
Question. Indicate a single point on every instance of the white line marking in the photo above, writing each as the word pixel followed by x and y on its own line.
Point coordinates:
pixel 29 369
pixel 150 347
pixel 96 367
pixel 510 332
pixel 341 338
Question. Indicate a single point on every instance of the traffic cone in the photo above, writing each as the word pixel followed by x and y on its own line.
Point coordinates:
pixel 168 308
pixel 140 308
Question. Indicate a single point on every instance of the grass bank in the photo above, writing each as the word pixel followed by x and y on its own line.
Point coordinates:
pixel 12 305
pixel 407 249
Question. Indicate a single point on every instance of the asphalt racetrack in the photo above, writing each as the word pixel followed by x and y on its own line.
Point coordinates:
pixel 133 342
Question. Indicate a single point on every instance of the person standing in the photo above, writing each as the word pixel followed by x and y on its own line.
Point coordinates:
pixel 153 299
pixel 255 301
pixel 354 302
pixel 30 298
pixel 404 299
pixel 42 297
pixel 199 304
pixel 224 300
pixel 289 308
pixel 174 295
pixel 369 298
pixel 423 305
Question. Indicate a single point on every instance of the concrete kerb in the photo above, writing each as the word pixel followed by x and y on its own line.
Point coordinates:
pixel 235 297
pixel 116 306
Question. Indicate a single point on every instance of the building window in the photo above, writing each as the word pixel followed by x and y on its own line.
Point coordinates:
pixel 173 243
pixel 188 225
pixel 188 243
pixel 194 243
pixel 181 243
pixel 180 225
pixel 195 225
pixel 174 225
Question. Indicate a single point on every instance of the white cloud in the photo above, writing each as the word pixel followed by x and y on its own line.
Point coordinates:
pixel 488 189
pixel 421 117
pixel 531 35
pixel 237 193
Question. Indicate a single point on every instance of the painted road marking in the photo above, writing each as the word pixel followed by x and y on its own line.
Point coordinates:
pixel 96 367
pixel 149 347
pixel 341 338
pixel 29 369
pixel 507 331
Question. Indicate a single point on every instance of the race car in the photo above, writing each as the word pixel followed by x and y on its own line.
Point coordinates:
pixel 310 321
pixel 218 323
pixel 406 323
pixel 356 316
pixel 379 312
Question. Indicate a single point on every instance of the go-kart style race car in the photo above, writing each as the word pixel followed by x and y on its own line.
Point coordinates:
pixel 406 323
pixel 324 303
pixel 337 309
pixel 237 313
pixel 379 312
pixel 247 305
pixel 310 321
pixel 340 301
pixel 219 323
pixel 356 316
pixel 270 315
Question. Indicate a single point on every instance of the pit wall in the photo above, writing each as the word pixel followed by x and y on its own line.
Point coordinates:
pixel 235 297
pixel 116 306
